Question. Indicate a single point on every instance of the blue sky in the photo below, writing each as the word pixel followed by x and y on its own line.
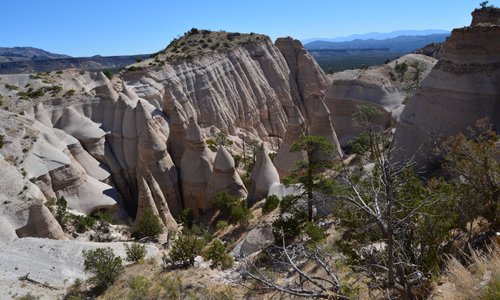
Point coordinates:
pixel 113 27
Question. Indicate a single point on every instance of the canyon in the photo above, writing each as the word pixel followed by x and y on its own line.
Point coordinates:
pixel 138 142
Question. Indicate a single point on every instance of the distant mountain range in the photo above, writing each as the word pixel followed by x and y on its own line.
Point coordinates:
pixel 30 60
pixel 377 35
pixel 400 44
pixel 26 53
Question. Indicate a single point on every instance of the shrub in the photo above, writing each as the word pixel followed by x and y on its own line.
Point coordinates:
pixel 216 252
pixel 315 233
pixel 187 217
pixel 105 266
pixel 103 215
pixel 108 73
pixel 150 225
pixel 172 287
pixel 193 31
pixel 139 286
pixel 401 68
pixel 76 291
pixel 135 252
pixel 272 202
pixel 61 214
pixel 221 224
pixel 2 140
pixel 55 89
pixel 232 208
pixel 11 87
pixel 69 93
pixel 184 250
pixel 83 223
pixel 28 296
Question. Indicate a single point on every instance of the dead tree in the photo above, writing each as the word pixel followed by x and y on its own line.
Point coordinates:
pixel 309 273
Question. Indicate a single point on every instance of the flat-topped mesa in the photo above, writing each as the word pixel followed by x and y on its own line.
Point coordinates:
pixel 196 169
pixel 198 42
pixel 486 16
pixel 224 178
pixel 461 89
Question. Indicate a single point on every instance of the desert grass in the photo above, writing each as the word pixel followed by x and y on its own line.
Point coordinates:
pixel 479 278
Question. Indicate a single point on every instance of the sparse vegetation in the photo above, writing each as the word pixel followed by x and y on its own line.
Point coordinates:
pixel 187 218
pixel 69 93
pixel 232 208
pixel 135 252
pixel 11 87
pixel 221 139
pixel 272 202
pixel 108 73
pixel 150 225
pixel 83 223
pixel 105 266
pixel 217 253
pixel 183 252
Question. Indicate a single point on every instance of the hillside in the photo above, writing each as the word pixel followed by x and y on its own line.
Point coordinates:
pixel 357 54
pixel 229 166
pixel 400 44
pixel 26 53
pixel 93 63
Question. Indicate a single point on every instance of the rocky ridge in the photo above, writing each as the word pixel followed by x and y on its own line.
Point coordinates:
pixel 462 88
pixel 137 142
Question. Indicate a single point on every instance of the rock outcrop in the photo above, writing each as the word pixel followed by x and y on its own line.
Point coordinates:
pixel 7 232
pixel 383 87
pixel 285 159
pixel 462 88
pixel 196 169
pixel 310 83
pixel 137 142
pixel 224 178
pixel 42 224
pixel 264 176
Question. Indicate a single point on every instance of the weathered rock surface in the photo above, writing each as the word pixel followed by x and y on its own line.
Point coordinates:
pixel 7 232
pixel 382 87
pixel 310 83
pixel 137 142
pixel 224 178
pixel 54 263
pixel 42 224
pixel 285 159
pixel 264 176
pixel 462 88
pixel 256 240
pixel 196 169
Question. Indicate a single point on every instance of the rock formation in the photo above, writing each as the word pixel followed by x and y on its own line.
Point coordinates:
pixel 285 160
pixel 310 83
pixel 462 88
pixel 7 232
pixel 382 87
pixel 196 169
pixel 41 223
pixel 135 142
pixel 264 176
pixel 224 178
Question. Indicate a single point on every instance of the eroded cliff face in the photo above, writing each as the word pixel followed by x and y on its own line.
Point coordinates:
pixel 136 142
pixel 384 87
pixel 463 87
